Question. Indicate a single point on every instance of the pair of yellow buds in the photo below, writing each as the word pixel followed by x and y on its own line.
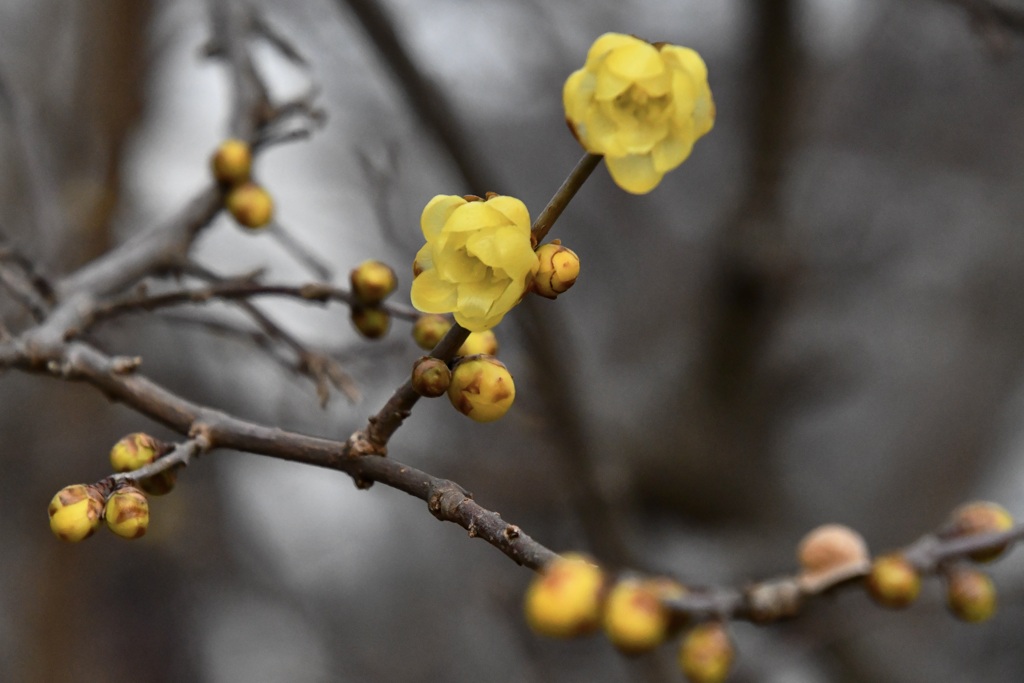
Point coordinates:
pixel 478 386
pixel 247 201
pixel 970 593
pixel 372 282
pixel 77 510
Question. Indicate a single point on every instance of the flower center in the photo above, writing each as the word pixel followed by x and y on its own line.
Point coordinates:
pixel 638 103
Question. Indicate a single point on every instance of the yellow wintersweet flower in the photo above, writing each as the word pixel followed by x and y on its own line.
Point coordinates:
pixel 477 260
pixel 640 105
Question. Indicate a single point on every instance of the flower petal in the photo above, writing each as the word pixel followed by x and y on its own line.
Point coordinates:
pixel 687 59
pixel 474 216
pixel 476 300
pixel 609 85
pixel 436 213
pixel 514 210
pixel 505 249
pixel 605 44
pixel 424 258
pixel 577 94
pixel 431 294
pixel 634 173
pixel 635 61
pixel 671 152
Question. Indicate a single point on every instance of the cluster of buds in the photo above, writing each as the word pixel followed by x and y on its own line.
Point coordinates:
pixel 478 385
pixel 574 597
pixel 894 581
pixel 248 202
pixel 372 282
pixel 77 511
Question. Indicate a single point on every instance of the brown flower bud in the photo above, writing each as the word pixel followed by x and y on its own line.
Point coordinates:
pixel 830 554
pixel 980 517
pixel 431 377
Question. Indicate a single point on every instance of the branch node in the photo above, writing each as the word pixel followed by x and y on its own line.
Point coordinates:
pixel 125 365
pixel 359 444
pixel 774 600
pixel 511 532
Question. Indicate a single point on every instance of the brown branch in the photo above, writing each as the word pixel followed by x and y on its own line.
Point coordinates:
pixel 446 500
pixel 320 367
pixel 313 292
pixel 570 186
pixel 784 597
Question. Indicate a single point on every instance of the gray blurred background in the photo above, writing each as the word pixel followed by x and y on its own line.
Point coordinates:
pixel 818 318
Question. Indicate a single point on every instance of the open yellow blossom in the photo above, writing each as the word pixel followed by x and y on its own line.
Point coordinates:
pixel 477 260
pixel 640 105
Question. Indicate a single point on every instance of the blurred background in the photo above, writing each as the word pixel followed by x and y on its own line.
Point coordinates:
pixel 818 318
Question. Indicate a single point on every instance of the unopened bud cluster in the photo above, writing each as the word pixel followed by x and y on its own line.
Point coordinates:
pixel 76 512
pixel 573 597
pixel 248 202
pixel 372 282
pixel 970 593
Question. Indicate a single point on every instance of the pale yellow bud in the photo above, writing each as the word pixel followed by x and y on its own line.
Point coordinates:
pixel 232 162
pixel 559 268
pixel 127 512
pixel 481 388
pixel 75 512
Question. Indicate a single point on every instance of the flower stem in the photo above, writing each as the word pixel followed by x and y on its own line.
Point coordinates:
pixel 584 167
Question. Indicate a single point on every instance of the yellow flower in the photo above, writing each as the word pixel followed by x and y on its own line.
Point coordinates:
pixel 640 105
pixel 477 260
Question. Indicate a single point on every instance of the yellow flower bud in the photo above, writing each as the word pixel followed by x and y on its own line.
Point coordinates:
pixel 127 512
pixel 232 162
pixel 431 377
pixel 478 259
pixel 565 599
pixel 133 451
pixel 250 204
pixel 640 105
pixel 559 268
pixel 75 512
pixel 372 323
pixel 706 653
pixel 430 329
pixel 372 282
pixel 980 517
pixel 893 582
pixel 970 595
pixel 481 388
pixel 479 342
pixel 634 618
